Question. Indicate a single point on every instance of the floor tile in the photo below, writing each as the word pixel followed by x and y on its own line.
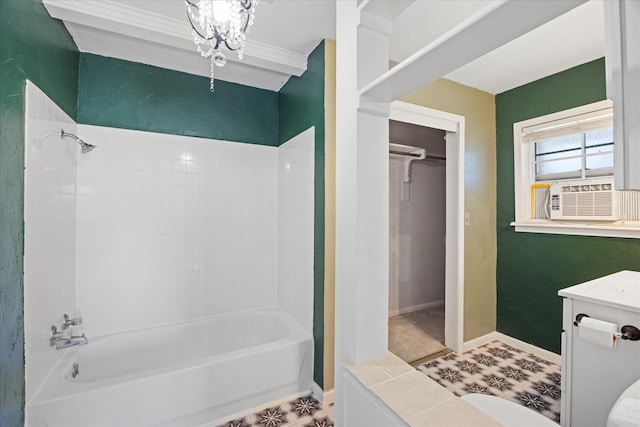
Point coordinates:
pixel 501 370
pixel 301 412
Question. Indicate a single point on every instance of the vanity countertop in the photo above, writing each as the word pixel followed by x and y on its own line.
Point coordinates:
pixel 620 290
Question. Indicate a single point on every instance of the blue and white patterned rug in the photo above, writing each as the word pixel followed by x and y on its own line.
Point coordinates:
pixel 501 370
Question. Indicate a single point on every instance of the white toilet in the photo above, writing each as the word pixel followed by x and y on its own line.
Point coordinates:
pixel 626 410
pixel 507 413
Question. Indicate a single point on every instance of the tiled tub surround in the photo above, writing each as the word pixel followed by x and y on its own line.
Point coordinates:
pixel 150 230
pixel 416 399
pixel 193 226
pixel 50 230
pixel 187 223
pixel 178 375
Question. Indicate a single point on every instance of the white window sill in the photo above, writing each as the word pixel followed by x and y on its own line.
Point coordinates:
pixel 630 230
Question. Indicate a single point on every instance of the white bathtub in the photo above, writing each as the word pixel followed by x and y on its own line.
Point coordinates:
pixel 182 375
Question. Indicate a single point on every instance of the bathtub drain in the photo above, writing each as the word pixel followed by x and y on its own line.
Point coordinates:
pixel 75 370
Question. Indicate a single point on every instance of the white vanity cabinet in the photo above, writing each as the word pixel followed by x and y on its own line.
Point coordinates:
pixel 593 376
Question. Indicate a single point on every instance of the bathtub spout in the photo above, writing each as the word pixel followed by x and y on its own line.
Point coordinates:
pixel 70 342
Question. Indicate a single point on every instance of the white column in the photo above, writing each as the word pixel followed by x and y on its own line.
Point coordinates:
pixel 623 87
pixel 362 192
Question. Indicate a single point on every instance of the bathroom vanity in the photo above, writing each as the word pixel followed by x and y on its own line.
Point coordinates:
pixel 594 375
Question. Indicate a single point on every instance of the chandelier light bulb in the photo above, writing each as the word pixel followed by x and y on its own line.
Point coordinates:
pixel 220 24
pixel 221 11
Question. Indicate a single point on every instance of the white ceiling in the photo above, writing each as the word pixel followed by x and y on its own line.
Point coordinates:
pixel 156 32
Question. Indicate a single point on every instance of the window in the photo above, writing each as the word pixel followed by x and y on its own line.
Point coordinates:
pixel 563 170
pixel 575 155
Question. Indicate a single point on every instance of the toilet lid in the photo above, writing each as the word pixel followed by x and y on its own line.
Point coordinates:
pixel 507 413
pixel 626 411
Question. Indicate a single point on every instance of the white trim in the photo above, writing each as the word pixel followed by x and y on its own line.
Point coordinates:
pixel 513 342
pixel 317 392
pixel 413 308
pixel 578 229
pixel 324 397
pixel 384 9
pixel 480 341
pixel 454 125
pixel 423 116
pixel 474 37
pixel 374 22
pixel 523 155
pixel 130 21
pixel 328 398
pixel 524 177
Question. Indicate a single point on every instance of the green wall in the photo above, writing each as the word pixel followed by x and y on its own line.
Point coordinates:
pixel 301 105
pixel 531 268
pixel 101 91
pixel 32 46
pixel 129 95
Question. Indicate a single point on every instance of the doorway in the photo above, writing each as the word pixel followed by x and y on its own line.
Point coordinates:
pixel 435 308
pixel 417 220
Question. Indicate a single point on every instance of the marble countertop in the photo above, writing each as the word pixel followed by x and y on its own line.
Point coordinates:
pixel 620 290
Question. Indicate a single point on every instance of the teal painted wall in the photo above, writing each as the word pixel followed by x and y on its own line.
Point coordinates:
pixel 32 46
pixel 531 268
pixel 122 94
pixel 301 105
pixel 100 91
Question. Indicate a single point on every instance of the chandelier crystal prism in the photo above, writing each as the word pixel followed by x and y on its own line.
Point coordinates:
pixel 219 24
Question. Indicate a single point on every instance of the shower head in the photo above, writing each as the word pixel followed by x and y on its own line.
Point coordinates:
pixel 84 147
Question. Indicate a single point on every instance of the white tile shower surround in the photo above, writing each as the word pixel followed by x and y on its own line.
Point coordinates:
pixel 173 227
pixel 295 227
pixel 50 233
pixel 151 229
pixel 501 370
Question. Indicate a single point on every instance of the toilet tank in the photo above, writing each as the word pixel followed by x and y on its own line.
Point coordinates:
pixel 626 410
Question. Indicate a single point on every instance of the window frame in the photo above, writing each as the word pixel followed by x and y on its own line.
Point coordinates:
pixel 525 175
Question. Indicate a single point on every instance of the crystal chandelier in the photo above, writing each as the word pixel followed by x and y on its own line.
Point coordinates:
pixel 220 23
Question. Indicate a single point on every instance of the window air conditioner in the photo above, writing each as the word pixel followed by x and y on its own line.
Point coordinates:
pixel 583 200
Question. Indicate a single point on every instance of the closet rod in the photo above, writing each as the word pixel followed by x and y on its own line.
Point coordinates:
pixel 427 157
pixel 404 153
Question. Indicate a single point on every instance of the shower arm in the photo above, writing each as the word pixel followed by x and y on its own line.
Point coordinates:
pixel 70 135
pixel 86 147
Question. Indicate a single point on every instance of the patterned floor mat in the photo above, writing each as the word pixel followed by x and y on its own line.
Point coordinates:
pixel 301 412
pixel 501 370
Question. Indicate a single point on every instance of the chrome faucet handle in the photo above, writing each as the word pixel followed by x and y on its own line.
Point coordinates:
pixel 71 322
pixel 55 335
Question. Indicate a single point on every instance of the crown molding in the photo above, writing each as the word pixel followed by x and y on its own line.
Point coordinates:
pixel 133 22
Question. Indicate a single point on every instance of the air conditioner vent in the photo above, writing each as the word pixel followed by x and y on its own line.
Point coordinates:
pixel 583 200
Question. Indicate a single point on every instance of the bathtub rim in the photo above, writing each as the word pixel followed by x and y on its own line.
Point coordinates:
pixel 56 385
